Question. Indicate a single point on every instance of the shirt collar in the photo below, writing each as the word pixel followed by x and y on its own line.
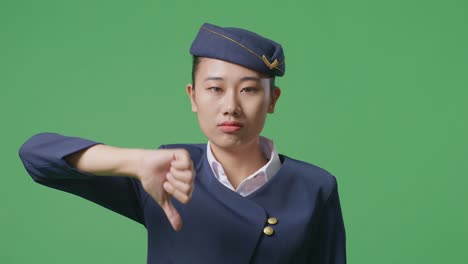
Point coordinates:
pixel 268 170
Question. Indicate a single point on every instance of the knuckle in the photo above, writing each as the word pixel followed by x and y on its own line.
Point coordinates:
pixel 186 188
pixel 190 187
pixel 185 199
pixel 172 169
pixel 187 176
pixel 169 189
pixel 183 152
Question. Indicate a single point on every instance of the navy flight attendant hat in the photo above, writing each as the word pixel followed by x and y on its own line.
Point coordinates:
pixel 241 47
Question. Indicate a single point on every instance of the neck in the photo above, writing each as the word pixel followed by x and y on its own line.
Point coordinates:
pixel 239 163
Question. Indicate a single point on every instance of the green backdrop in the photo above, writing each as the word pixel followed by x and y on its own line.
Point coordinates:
pixel 375 92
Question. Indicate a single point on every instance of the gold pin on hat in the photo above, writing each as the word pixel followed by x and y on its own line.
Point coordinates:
pixel 270 65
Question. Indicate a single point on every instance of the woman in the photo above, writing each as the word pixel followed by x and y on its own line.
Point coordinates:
pixel 240 201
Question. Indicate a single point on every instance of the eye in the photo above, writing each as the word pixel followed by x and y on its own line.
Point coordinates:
pixel 214 89
pixel 249 90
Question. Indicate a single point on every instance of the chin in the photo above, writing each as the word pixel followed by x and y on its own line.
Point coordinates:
pixel 229 141
pixel 226 142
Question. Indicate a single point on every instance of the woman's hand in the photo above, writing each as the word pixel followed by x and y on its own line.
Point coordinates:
pixel 165 173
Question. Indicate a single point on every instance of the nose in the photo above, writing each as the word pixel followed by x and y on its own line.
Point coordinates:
pixel 231 105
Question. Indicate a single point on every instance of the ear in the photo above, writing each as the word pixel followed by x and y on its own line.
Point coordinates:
pixel 191 94
pixel 274 98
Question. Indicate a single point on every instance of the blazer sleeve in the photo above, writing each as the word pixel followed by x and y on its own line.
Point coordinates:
pixel 43 158
pixel 332 237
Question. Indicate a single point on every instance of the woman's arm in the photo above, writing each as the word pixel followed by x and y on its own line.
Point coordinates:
pixel 102 160
pixel 76 165
pixel 332 238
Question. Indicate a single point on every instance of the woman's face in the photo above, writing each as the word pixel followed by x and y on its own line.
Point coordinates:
pixel 231 102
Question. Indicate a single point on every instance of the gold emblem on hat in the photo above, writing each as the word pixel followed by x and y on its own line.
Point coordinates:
pixel 270 65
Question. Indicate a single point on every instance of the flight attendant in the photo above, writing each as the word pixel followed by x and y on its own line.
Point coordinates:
pixel 231 200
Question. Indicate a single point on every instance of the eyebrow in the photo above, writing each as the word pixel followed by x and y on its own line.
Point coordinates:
pixel 213 78
pixel 247 78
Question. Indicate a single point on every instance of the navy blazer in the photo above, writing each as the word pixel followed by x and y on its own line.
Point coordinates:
pixel 220 226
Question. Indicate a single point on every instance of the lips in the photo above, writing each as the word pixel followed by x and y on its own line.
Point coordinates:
pixel 230 126
pixel 231 123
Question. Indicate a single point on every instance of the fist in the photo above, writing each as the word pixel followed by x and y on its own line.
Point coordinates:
pixel 166 173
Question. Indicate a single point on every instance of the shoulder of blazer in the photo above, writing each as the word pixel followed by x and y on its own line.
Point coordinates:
pixel 312 175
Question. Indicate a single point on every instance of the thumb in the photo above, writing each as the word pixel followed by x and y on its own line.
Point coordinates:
pixel 172 214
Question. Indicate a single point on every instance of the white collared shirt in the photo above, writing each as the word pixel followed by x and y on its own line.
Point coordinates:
pixel 255 180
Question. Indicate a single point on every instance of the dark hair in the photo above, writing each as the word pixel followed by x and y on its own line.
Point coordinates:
pixel 196 61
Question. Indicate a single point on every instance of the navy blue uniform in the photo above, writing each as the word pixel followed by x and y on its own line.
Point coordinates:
pixel 220 226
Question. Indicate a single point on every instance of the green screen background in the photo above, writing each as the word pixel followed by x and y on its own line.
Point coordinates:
pixel 375 92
